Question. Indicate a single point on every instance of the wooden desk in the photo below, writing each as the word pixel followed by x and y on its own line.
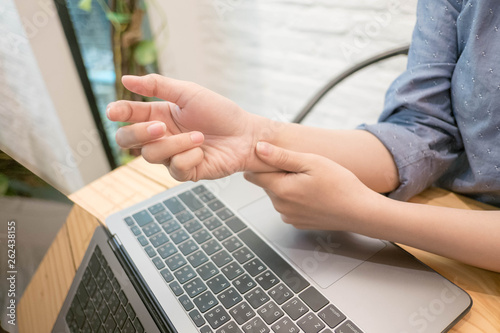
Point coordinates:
pixel 138 180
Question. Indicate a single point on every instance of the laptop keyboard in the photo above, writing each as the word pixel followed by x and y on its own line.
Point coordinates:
pixel 224 275
pixel 100 305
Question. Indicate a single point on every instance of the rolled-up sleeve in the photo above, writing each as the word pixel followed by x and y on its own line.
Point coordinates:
pixel 417 125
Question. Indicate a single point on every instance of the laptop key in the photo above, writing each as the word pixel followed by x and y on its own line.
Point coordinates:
pixel 185 274
pixel 174 205
pixel 192 226
pixel 348 327
pixel 257 297
pixel 199 189
pixel 285 325
pixel 310 323
pixel 242 312
pixel 206 197
pixel 143 240
pixel 176 288
pixel 197 258
pixel 225 214
pixel 188 247
pixel 211 247
pixel 244 283
pixel 195 287
pixel 163 217
pixel 267 280
pixel 155 209
pixel 121 316
pixel 186 302
pixel 218 283
pixel 235 224
pixel 221 258
pixel 158 263
pixel 203 214
pixel 280 293
pixel 270 312
pixel 202 236
pixel 205 301
pixel 129 221
pixel 110 324
pixel 212 223
pixel 128 327
pixel 232 244
pixel 217 317
pixel 222 233
pixel 142 218
pixel 295 308
pixel 174 262
pixel 113 302
pixel 135 230
pixel 232 270
pixel 207 270
pixel 184 216
pixel 255 325
pixel 331 315
pixel 275 262
pixel 254 267
pixel 150 251
pixel 158 239
pixel 312 297
pixel 206 329
pixel 167 250
pixel 167 276
pixel 242 255
pixel 197 318
pixel 138 325
pixel 190 200
pixel 229 297
pixel 171 226
pixel 230 327
pixel 179 236
pixel 151 229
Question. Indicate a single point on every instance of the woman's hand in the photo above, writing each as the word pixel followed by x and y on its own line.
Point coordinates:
pixel 196 133
pixel 313 192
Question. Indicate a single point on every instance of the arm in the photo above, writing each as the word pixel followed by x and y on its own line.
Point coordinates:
pixel 316 193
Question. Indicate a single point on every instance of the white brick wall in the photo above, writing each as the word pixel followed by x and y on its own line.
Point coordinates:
pixel 270 56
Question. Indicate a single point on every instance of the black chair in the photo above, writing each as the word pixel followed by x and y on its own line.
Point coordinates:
pixel 402 50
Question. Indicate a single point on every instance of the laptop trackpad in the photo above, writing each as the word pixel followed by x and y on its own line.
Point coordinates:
pixel 325 256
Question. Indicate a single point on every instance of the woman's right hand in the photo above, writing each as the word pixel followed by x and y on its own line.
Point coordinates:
pixel 195 132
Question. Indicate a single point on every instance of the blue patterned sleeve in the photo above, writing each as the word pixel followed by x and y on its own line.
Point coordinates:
pixel 417 125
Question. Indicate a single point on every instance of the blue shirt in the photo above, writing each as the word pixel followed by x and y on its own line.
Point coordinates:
pixel 441 119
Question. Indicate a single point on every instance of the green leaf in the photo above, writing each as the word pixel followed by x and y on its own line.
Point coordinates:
pixel 4 184
pixel 120 18
pixel 145 52
pixel 85 5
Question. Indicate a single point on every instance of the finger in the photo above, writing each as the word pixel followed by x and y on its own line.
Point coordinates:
pixel 183 165
pixel 138 134
pixel 165 148
pixel 154 85
pixel 135 112
pixel 266 180
pixel 282 158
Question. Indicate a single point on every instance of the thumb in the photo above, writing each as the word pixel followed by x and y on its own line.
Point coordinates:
pixel 280 158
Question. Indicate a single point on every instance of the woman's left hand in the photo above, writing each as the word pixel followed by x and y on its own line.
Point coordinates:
pixel 313 192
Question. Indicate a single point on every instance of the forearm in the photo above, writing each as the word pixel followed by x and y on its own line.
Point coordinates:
pixel 357 150
pixel 472 237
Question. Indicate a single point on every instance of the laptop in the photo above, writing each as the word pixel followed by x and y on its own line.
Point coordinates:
pixel 214 256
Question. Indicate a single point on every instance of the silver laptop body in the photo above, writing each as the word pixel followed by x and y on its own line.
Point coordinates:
pixel 375 284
